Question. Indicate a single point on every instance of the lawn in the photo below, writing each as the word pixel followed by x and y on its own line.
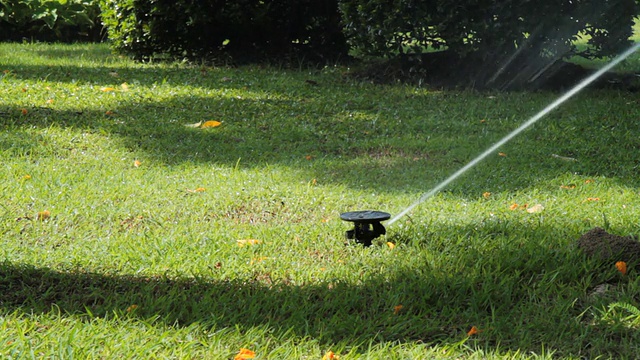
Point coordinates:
pixel 132 230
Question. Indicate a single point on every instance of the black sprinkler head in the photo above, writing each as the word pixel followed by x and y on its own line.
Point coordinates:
pixel 367 225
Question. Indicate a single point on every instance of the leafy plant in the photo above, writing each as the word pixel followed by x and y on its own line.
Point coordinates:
pixel 47 19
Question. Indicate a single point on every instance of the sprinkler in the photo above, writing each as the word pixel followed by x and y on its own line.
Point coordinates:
pixel 367 225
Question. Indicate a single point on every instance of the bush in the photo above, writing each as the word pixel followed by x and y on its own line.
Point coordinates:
pixel 49 20
pixel 499 39
pixel 242 28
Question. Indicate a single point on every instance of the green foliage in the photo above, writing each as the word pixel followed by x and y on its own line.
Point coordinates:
pixel 48 20
pixel 387 28
pixel 243 28
pixel 512 38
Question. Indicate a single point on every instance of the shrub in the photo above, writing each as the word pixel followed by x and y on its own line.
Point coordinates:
pixel 49 20
pixel 511 37
pixel 242 28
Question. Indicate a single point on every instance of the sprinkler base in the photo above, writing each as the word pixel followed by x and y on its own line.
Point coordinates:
pixel 367 225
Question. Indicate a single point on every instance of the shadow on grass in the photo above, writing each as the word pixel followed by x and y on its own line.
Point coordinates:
pixel 524 297
pixel 332 146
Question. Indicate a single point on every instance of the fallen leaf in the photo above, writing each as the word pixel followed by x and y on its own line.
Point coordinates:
pixel 588 181
pixel 132 308
pixel 502 154
pixel 535 209
pixel 308 157
pixel 568 187
pixel 397 308
pixel 108 112
pixel 330 355
pixel 27 177
pixel 622 267
pixel 245 354
pixel 593 199
pixel 24 111
pixel 124 86
pixel 44 215
pixel 210 124
pixel 513 206
pixel 486 194
pixel 49 101
pixel 391 245
pixel 473 331
pixel 137 163
pixel 246 242
pixel 107 89
pixel 196 125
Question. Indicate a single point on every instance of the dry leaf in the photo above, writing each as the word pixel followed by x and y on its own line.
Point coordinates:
pixel 391 245
pixel 137 163
pixel 27 177
pixel 24 111
pixel 132 308
pixel 330 355
pixel 124 86
pixel 397 308
pixel 210 124
pixel 622 267
pixel 44 215
pixel 107 89
pixel 513 206
pixel 568 187
pixel 474 330
pixel 246 242
pixel 535 208
pixel 486 194
pixel 502 154
pixel 245 354
pixel 593 199
pixel 196 125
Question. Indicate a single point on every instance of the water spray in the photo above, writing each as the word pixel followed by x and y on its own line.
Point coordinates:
pixel 566 96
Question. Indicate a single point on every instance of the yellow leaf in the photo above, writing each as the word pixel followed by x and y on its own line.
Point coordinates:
pixel 622 267
pixel 486 195
pixel 246 242
pixel 107 89
pixel 44 215
pixel 124 86
pixel 535 209
pixel 391 245
pixel 502 154
pixel 513 206
pixel 397 308
pixel 245 354
pixel 132 308
pixel 27 177
pixel 137 163
pixel 210 124
pixel 330 355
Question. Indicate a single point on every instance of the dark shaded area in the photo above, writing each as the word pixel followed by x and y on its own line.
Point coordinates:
pixel 610 248
pixel 393 154
pixel 447 70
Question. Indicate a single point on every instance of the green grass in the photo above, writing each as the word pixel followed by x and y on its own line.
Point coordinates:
pixel 288 158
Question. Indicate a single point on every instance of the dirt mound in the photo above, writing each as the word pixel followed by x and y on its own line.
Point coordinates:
pixel 599 244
